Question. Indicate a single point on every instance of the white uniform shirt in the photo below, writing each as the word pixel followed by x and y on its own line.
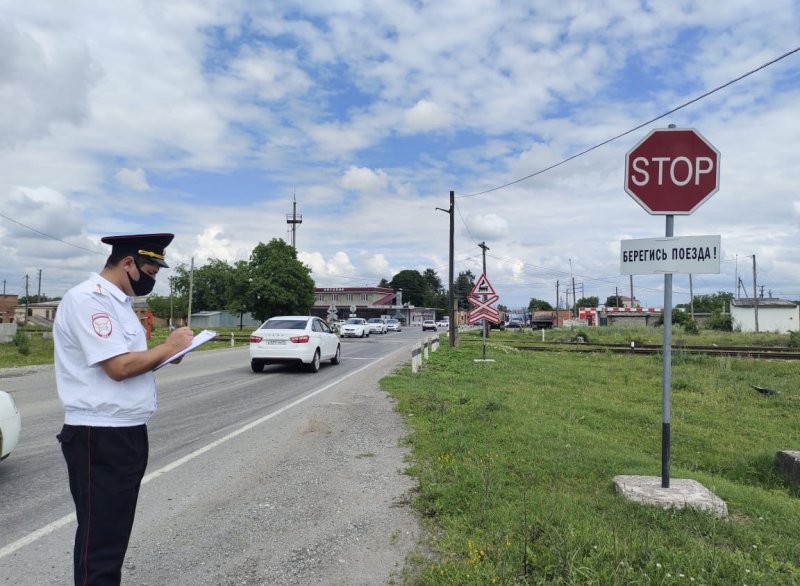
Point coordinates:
pixel 95 321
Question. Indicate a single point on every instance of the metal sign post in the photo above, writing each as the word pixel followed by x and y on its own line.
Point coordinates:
pixel 667 381
pixel 671 171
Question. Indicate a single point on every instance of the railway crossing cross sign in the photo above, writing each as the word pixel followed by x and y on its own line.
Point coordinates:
pixel 482 296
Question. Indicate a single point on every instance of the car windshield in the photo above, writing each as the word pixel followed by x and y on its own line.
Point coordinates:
pixel 393 321
pixel 355 320
pixel 375 320
pixel 284 324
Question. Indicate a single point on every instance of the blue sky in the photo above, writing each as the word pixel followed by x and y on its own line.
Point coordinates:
pixel 205 119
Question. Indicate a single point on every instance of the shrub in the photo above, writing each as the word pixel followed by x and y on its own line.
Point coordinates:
pixel 720 322
pixel 23 342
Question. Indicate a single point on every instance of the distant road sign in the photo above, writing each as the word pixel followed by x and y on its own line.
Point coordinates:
pixel 482 297
pixel 672 171
pixel 697 255
pixel 482 287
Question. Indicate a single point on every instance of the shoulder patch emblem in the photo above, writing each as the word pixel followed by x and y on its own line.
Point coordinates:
pixel 101 323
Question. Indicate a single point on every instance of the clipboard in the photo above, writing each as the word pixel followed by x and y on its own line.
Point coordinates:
pixel 197 341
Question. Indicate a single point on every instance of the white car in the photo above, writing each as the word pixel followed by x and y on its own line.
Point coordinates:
pixel 355 327
pixel 10 425
pixel 377 325
pixel 443 323
pixel 429 324
pixel 295 339
pixel 393 325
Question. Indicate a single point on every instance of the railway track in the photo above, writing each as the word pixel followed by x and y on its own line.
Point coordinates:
pixel 754 352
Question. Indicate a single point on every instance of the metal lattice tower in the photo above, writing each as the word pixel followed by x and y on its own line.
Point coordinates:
pixel 293 220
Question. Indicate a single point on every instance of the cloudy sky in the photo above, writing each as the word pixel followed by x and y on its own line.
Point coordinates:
pixel 206 118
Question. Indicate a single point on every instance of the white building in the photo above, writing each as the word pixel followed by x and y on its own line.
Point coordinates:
pixel 774 315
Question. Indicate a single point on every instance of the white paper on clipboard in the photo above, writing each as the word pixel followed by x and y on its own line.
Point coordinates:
pixel 197 341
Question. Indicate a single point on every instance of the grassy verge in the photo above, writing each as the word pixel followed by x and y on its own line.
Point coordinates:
pixel 39 349
pixel 515 461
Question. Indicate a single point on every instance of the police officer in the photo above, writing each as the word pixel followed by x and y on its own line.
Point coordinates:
pixel 107 388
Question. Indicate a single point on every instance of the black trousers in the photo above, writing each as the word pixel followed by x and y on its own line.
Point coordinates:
pixel 106 466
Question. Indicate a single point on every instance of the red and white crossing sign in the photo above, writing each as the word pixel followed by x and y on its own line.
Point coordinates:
pixel 482 296
pixel 482 287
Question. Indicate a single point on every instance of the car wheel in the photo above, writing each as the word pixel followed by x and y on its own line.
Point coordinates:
pixel 337 358
pixel 363 334
pixel 314 365
pixel 257 365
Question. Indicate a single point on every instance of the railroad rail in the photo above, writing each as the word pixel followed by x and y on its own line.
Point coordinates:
pixel 755 352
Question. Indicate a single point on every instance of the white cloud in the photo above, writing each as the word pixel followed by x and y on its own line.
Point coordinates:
pixel 487 226
pixel 135 179
pixel 232 106
pixel 322 269
pixel 426 115
pixel 365 180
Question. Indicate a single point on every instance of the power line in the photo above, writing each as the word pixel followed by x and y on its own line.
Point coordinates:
pixel 48 235
pixel 612 139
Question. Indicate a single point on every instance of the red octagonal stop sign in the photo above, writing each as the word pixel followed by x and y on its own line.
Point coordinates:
pixel 672 171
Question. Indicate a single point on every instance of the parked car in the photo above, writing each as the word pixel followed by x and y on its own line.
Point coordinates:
pixel 10 424
pixel 296 339
pixel 443 323
pixel 429 324
pixel 393 325
pixel 377 325
pixel 515 323
pixel 355 327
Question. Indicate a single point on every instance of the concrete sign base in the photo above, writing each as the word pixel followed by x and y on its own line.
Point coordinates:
pixel 681 494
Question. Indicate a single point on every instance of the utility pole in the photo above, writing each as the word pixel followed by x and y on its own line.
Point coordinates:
pixel 574 299
pixel 451 294
pixel 39 290
pixel 631 276
pixel 191 284
pixel 293 220
pixel 755 297
pixel 691 297
pixel 27 300
pixel 484 248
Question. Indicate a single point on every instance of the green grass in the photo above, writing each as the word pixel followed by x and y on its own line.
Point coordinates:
pixel 40 349
pixel 641 335
pixel 515 461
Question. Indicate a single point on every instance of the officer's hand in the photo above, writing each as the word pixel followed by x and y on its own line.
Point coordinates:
pixel 179 339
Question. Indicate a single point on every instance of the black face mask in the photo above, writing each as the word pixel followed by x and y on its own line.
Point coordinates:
pixel 145 283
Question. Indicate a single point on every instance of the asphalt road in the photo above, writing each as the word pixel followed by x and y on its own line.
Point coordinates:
pixel 280 477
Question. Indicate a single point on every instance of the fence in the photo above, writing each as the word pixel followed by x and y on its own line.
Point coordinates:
pixel 419 351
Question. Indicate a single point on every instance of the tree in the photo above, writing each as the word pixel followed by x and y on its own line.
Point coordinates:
pixel 278 283
pixel 436 295
pixel 384 283
pixel 714 303
pixel 614 301
pixel 592 301
pixel 463 287
pixel 413 284
pixel 240 296
pixel 210 285
pixel 539 305
pixel 160 306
